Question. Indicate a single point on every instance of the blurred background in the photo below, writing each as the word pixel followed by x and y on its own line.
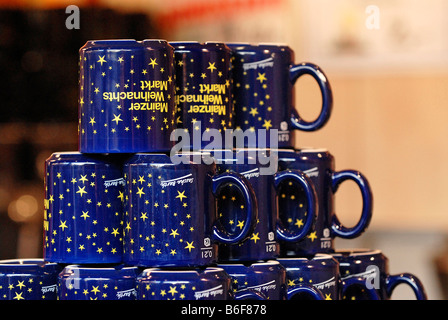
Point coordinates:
pixel 387 62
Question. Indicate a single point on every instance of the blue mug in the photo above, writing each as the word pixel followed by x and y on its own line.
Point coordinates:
pixel 203 90
pixel 263 78
pixel 318 278
pixel 209 283
pixel 83 213
pixel 78 282
pixel 264 280
pixel 260 169
pixel 318 165
pixel 170 210
pixel 28 279
pixel 373 266
pixel 126 96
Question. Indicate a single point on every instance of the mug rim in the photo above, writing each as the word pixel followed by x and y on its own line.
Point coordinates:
pixel 195 271
pixel 257 263
pixel 26 262
pixel 104 43
pixel 356 252
pixel 97 269
pixel 167 158
pixel 62 157
pixel 193 44
pixel 260 44
pixel 316 257
pixel 234 152
pixel 31 266
pixel 302 150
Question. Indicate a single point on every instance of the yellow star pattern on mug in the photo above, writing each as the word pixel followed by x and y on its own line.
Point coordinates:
pixel 164 291
pixel 101 291
pixel 86 217
pixel 26 288
pixel 143 94
pixel 259 108
pixel 148 235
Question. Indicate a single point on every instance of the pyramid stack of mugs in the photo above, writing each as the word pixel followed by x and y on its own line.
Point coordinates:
pixel 187 185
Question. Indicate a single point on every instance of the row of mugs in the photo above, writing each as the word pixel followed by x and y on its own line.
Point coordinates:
pixel 345 274
pixel 133 94
pixel 193 209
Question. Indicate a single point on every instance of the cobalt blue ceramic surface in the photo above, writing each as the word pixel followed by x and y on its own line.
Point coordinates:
pixel 373 266
pixel 203 89
pixel 318 278
pixel 209 283
pixel 77 282
pixel 263 79
pixel 260 169
pixel 28 279
pixel 83 217
pixel 171 217
pixel 265 280
pixel 319 166
pixel 126 96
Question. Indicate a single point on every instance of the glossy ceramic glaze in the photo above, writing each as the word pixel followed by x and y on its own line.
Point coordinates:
pixel 171 217
pixel 264 76
pixel 203 89
pixel 126 96
pixel 318 278
pixel 373 266
pixel 209 283
pixel 78 282
pixel 83 209
pixel 320 273
pixel 260 168
pixel 264 280
pixel 319 166
pixel 28 279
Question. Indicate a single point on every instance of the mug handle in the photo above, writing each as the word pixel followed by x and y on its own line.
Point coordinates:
pixel 312 292
pixel 296 72
pixel 393 280
pixel 360 281
pixel 311 197
pixel 367 199
pixel 249 295
pixel 248 194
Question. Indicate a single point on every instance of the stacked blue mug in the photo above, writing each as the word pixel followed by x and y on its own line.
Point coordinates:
pixel 187 184
pixel 264 76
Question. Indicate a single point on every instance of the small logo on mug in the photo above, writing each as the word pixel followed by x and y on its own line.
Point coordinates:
pixel 51 288
pixel 271 285
pixel 313 172
pixel 271 236
pixel 269 62
pixel 326 284
pixel 251 173
pixel 209 292
pixel 177 181
pixel 283 126
pixel 114 183
pixel 207 242
pixel 126 293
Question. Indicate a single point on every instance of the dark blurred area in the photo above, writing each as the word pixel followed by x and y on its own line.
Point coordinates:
pixel 39 111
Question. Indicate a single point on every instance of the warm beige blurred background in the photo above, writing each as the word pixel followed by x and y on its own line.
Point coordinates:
pixel 387 62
